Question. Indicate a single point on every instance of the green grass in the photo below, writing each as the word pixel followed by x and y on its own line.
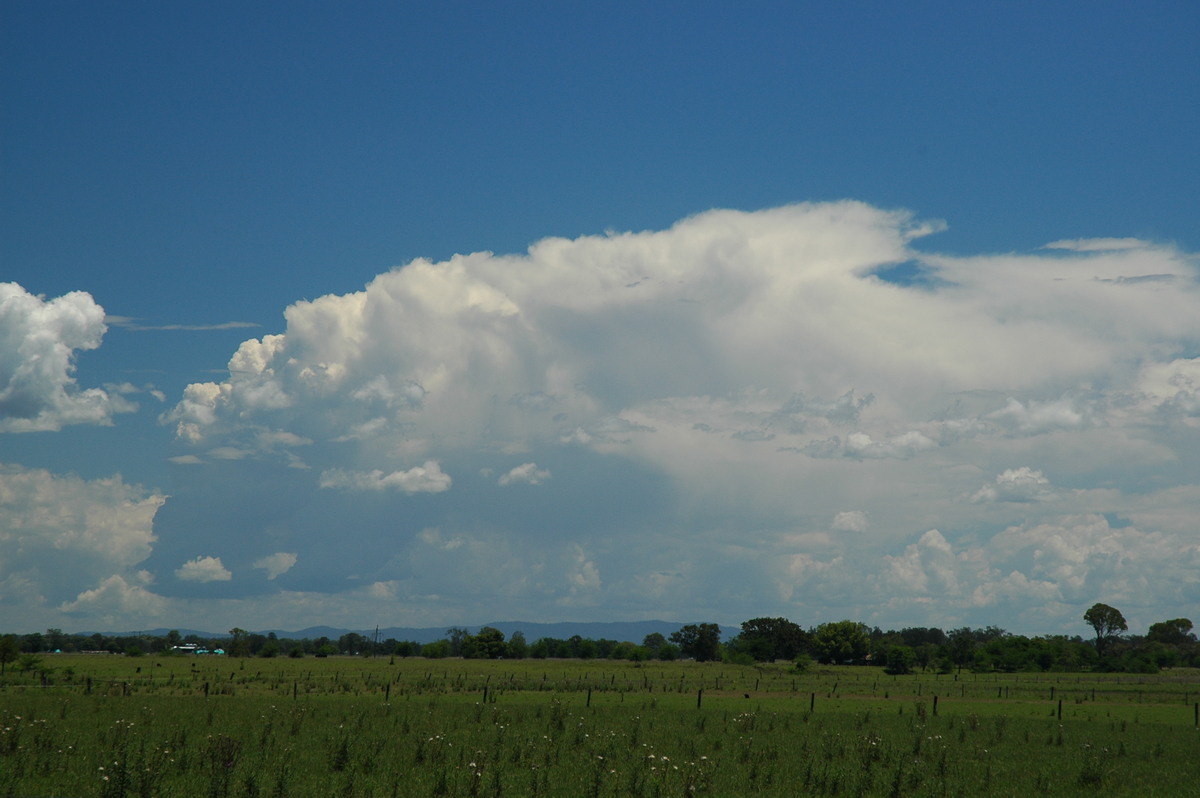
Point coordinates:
pixel 114 726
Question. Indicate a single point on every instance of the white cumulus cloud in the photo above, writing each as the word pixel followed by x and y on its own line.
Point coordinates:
pixel 204 569
pixel 278 563
pixel 427 478
pixel 850 521
pixel 61 533
pixel 39 339
pixel 1022 484
pixel 526 473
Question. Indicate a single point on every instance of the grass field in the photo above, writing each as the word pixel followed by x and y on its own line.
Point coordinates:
pixel 171 726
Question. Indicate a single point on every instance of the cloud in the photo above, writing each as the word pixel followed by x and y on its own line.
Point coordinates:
pixel 38 343
pixel 204 569
pixel 117 599
pixel 427 478
pixel 524 474
pixel 1034 417
pixel 61 532
pixel 850 521
pixel 1022 484
pixel 130 323
pixel 738 379
pixel 278 563
pixel 1097 244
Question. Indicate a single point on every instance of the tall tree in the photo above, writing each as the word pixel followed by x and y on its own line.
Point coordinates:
pixel 841 641
pixel 1171 633
pixel 487 644
pixel 1108 623
pixel 456 635
pixel 517 647
pixel 239 644
pixel 654 641
pixel 8 651
pixel 701 642
pixel 769 639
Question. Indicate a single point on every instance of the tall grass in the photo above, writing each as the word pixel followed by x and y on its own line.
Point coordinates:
pixel 352 727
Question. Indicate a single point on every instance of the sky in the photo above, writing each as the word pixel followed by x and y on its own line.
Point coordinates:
pixel 420 314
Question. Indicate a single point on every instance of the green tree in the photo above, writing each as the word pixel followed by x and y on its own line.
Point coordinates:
pixel 1177 632
pixel 56 640
pixel 438 649
pixel 352 643
pixel 9 649
pixel 488 643
pixel 456 636
pixel 841 641
pixel 960 647
pixel 270 648
pixel 1108 623
pixel 701 642
pixel 900 660
pixel 654 642
pixel 517 647
pixel 769 639
pixel 239 644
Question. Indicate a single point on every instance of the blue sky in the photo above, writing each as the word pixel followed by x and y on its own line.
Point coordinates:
pixel 424 314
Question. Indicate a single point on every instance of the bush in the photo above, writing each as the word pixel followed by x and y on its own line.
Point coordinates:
pixel 900 660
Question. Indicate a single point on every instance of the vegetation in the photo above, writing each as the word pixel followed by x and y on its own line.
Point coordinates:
pixel 107 726
pixel 1168 644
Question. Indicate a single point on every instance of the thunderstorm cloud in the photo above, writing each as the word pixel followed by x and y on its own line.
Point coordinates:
pixel 745 414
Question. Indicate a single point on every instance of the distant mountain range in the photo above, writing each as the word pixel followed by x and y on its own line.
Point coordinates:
pixel 631 631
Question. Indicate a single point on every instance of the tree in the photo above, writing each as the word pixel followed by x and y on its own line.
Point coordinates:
pixel 352 643
pixel 517 647
pixel 55 639
pixel 8 651
pixel 1177 632
pixel 487 644
pixel 239 645
pixel 841 641
pixel 456 636
pixel 769 639
pixel 960 646
pixel 701 642
pixel 654 641
pixel 1108 623
pixel 900 660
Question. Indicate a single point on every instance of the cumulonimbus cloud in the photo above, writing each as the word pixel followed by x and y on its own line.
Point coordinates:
pixel 769 367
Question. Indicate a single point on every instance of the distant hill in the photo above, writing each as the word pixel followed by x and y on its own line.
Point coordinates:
pixel 631 631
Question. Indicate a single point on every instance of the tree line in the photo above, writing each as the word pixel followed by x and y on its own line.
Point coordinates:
pixel 1167 644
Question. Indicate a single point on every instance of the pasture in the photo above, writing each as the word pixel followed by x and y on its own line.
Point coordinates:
pixel 85 725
